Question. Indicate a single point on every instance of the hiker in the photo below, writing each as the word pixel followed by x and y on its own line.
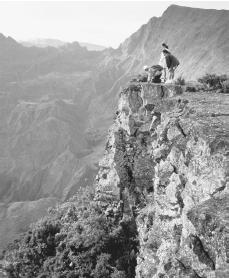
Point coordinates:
pixel 162 61
pixel 171 63
pixel 154 73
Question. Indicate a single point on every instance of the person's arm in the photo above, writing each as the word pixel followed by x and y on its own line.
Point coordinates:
pixel 163 64
pixel 161 61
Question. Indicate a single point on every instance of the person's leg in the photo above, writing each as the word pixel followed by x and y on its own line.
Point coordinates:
pixel 170 73
pixel 149 76
pixel 164 74
pixel 173 72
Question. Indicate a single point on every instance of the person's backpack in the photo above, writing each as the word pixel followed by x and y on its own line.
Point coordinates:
pixel 157 67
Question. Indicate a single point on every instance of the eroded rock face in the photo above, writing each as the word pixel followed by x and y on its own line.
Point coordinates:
pixel 166 161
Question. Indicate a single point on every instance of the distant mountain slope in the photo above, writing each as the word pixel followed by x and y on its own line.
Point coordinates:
pixel 198 37
pixel 18 63
pixel 43 43
pixel 58 43
pixel 90 46
pixel 48 148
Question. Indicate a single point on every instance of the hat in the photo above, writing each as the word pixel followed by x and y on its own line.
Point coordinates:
pixel 145 67
pixel 165 45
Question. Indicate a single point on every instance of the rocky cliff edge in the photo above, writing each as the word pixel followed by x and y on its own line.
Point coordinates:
pixel 166 167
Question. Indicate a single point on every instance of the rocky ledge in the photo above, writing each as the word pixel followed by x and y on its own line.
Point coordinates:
pixel 166 167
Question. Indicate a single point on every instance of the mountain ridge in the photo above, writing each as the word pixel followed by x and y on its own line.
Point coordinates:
pixel 167 28
pixel 46 42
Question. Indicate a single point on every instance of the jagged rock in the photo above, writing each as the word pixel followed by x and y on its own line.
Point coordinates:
pixel 152 93
pixel 170 169
pixel 135 101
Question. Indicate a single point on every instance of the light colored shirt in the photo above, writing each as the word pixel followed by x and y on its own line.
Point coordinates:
pixel 162 61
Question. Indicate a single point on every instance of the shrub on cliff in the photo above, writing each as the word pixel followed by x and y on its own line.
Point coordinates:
pixel 76 239
pixel 191 89
pixel 180 81
pixel 213 81
pixel 225 86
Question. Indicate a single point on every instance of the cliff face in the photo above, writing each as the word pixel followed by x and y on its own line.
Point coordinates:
pixel 166 161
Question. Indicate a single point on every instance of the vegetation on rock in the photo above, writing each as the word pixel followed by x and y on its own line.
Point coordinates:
pixel 191 89
pixel 76 239
pixel 213 81
pixel 225 86
pixel 180 81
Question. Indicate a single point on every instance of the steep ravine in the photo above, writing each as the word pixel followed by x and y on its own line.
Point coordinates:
pixel 166 163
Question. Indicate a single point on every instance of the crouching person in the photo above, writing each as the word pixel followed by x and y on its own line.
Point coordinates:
pixel 154 73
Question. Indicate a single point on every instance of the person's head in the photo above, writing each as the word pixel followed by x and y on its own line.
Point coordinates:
pixel 165 46
pixel 165 52
pixel 146 68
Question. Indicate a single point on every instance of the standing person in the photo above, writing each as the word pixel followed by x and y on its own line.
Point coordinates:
pixel 162 61
pixel 171 62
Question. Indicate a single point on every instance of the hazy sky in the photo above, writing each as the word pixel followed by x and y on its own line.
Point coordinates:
pixel 106 23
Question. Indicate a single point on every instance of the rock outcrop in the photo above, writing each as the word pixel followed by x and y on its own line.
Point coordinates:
pixel 166 163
